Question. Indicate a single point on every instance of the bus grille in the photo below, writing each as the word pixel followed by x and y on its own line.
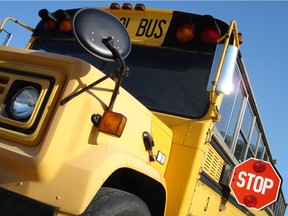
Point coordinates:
pixel 3 82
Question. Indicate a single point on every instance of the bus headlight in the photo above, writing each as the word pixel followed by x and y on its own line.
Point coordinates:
pixel 24 102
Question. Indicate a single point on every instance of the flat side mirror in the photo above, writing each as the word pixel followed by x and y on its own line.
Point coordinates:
pixel 91 26
pixel 224 84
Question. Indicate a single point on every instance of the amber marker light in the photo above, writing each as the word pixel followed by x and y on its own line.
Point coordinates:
pixel 127 6
pixel 115 6
pixel 140 7
pixel 240 38
pixel 185 33
pixel 112 123
pixel 65 25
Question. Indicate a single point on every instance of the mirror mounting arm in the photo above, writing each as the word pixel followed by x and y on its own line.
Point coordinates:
pixel 108 42
pixel 120 72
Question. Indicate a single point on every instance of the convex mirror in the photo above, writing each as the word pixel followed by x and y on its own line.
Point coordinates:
pixel 92 25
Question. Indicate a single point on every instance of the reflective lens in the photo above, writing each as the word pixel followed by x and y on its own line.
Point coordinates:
pixel 250 200
pixel 65 25
pixel 210 35
pixel 23 103
pixel 185 33
pixel 50 25
pixel 259 166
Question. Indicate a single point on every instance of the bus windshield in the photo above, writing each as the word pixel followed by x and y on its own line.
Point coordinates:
pixel 169 80
pixel 166 80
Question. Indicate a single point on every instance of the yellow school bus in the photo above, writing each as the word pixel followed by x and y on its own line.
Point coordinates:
pixel 126 110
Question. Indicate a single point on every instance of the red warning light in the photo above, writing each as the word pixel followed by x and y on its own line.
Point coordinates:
pixel 259 166
pixel 250 200
pixel 255 183
pixel 50 25
pixel 210 35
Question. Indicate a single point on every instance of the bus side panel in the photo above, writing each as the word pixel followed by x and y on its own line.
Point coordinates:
pixel 207 202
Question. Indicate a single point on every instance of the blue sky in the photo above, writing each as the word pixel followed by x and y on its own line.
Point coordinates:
pixel 264 25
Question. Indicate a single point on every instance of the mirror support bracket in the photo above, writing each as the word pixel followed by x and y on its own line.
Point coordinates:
pixel 120 72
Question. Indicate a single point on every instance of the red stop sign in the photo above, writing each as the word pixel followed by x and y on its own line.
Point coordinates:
pixel 255 183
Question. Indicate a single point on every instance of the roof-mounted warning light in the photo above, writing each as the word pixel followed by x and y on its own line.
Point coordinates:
pixel 210 32
pixel 185 33
pixel 51 23
pixel 65 21
pixel 58 20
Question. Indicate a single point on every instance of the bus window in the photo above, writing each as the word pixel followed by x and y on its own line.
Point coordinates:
pixel 230 111
pixel 247 122
pixel 249 154
pixel 239 152
pixel 260 150
pixel 242 149
pixel 226 110
pixel 266 157
pixel 236 114
pixel 254 138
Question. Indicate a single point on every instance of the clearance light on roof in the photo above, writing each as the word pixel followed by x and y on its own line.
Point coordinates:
pixel 185 33
pixel 127 6
pixel 115 6
pixel 140 7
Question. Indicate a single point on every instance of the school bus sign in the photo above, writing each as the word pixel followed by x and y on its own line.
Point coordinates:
pixel 255 183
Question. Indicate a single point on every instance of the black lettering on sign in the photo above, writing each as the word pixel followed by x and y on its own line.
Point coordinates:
pixel 150 27
pixel 160 28
pixel 125 21
pixel 142 27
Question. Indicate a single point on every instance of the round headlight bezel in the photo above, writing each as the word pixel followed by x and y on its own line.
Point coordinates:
pixel 23 103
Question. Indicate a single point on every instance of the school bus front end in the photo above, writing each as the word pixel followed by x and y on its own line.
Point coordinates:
pixel 161 140
pixel 56 155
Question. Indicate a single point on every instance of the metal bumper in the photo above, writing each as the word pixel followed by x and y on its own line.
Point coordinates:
pixel 12 204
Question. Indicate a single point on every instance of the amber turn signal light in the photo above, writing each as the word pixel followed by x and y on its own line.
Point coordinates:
pixel 112 123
